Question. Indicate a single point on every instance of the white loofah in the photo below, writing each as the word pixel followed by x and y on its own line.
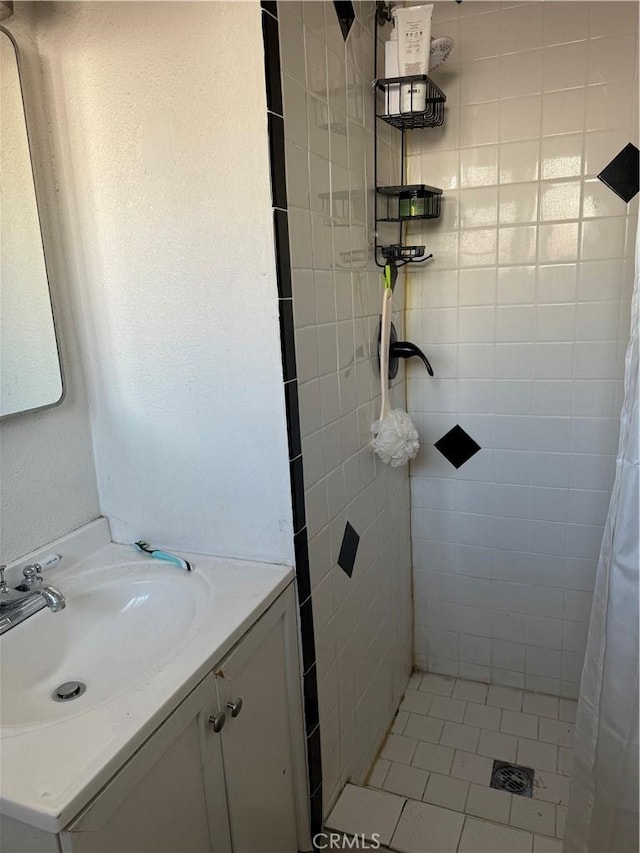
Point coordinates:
pixel 395 439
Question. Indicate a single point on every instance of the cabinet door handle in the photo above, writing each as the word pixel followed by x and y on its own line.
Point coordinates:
pixel 218 721
pixel 235 707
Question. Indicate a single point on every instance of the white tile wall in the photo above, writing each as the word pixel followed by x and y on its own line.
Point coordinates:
pixel 524 314
pixel 363 625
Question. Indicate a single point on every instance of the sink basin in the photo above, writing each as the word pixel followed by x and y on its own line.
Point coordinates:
pixel 121 624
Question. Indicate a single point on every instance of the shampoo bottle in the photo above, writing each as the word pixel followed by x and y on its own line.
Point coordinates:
pixel 391 69
pixel 414 48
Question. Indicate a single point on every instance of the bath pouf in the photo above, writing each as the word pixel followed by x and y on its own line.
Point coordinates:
pixel 395 439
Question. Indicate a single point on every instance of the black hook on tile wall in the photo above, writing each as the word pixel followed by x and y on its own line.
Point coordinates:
pixel 401 349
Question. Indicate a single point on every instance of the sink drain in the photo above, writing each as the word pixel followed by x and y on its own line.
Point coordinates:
pixel 68 691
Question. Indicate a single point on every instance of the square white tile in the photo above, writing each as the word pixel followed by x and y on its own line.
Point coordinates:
pixel 568 708
pixel 424 828
pixel 378 773
pixel 538 703
pixel 446 791
pixel 551 787
pixel 533 815
pixel 540 756
pixel 482 716
pixel 447 709
pixel 518 724
pixel 472 768
pixel 431 756
pixel 497 745
pixel 542 844
pixel 399 748
pixel 565 757
pixel 460 736
pixel 424 728
pixel 406 781
pixel 399 722
pixel 442 685
pixel 560 820
pixel 556 731
pixel 367 812
pixel 479 836
pixel 414 681
pixel 470 691
pixel 504 697
pixel 488 803
pixel 416 702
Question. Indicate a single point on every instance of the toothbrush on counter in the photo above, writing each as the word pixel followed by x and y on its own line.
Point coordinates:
pixel 163 555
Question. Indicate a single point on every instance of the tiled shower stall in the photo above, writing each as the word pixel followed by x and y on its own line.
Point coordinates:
pixel 524 315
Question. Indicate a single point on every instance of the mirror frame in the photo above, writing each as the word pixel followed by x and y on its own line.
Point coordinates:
pixel 37 191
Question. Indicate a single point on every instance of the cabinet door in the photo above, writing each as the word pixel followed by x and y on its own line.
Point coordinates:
pixel 257 744
pixel 169 796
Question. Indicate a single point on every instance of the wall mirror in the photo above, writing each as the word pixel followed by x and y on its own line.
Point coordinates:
pixel 30 374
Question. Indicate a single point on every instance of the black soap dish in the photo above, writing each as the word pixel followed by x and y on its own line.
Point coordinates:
pixel 398 254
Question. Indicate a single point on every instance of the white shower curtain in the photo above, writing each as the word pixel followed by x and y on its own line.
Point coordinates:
pixel 603 806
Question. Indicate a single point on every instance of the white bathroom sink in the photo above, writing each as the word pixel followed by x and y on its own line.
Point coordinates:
pixel 121 624
pixel 140 633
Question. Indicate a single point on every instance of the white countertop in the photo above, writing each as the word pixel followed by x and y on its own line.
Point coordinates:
pixel 51 771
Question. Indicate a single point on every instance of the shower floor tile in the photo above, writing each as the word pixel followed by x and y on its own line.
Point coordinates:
pixel 363 811
pixel 438 758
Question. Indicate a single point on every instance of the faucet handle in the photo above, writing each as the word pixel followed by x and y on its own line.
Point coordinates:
pixel 3 583
pixel 32 575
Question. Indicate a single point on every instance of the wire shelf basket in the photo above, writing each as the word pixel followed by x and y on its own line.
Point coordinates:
pixel 409 103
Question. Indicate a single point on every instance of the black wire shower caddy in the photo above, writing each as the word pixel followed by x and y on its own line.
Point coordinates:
pixel 405 103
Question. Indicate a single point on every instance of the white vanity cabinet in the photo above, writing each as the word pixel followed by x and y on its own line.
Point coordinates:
pixel 253 687
pixel 169 796
pixel 203 782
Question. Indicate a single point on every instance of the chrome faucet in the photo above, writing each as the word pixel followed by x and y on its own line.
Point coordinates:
pixel 27 598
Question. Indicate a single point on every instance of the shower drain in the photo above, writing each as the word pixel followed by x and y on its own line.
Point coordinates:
pixel 68 691
pixel 512 778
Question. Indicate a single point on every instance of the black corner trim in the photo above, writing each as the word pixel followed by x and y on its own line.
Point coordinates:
pixel 293 418
pixel 303 576
pixel 314 757
pixel 283 256
pixel 287 339
pixel 296 473
pixel 272 75
pixel 311 707
pixel 307 635
pixel 276 151
pixel 316 812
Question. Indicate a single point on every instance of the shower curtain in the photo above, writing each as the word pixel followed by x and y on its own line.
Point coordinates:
pixel 603 803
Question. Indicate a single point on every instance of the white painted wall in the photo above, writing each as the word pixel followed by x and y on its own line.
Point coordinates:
pixel 47 477
pixel 159 123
